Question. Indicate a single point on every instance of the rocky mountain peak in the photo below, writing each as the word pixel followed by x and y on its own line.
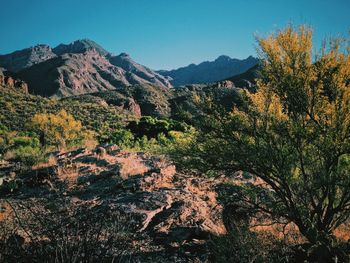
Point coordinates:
pixel 223 58
pixel 124 55
pixel 80 46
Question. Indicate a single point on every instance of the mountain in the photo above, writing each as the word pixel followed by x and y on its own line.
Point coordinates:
pixel 209 71
pixel 25 58
pixel 75 74
pixel 80 67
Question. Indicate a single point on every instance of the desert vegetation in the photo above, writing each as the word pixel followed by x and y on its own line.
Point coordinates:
pixel 272 161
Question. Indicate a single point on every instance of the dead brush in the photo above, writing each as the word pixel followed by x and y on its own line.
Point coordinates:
pixel 57 231
pixel 67 170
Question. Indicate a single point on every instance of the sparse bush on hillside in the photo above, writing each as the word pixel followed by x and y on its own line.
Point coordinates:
pixel 26 155
pixel 152 127
pixel 20 147
pixel 17 110
pixel 122 137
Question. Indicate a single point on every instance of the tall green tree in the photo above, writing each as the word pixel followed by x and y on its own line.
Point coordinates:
pixel 293 133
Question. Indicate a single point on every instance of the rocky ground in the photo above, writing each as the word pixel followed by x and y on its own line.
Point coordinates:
pixel 177 212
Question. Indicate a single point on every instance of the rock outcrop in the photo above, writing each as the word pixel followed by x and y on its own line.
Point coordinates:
pixel 26 58
pixel 246 79
pixel 10 82
pixel 80 46
pixel 224 84
pixel 73 74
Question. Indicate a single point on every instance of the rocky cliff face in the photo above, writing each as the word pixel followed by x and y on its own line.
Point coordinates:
pixel 73 74
pixel 210 71
pixel 10 82
pixel 80 46
pixel 245 79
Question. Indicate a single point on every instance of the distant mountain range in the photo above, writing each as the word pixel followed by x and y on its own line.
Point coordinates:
pixel 80 67
pixel 209 71
pixel 84 66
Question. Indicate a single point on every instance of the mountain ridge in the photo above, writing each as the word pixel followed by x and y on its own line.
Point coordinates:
pixel 221 68
pixel 83 66
pixel 80 67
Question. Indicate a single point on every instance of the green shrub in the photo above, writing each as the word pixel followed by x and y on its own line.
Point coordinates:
pixel 152 127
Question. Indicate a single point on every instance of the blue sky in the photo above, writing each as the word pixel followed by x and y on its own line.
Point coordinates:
pixel 165 34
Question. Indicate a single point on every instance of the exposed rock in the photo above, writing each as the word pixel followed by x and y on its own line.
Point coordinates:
pixel 10 82
pixel 73 74
pixel 77 68
pixel 224 84
pixel 176 210
pixel 80 46
pixel 246 79
pixel 78 73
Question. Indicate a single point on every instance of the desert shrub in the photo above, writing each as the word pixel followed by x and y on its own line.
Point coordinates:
pixel 26 155
pixel 122 137
pixel 20 147
pixel 152 127
pixel 25 141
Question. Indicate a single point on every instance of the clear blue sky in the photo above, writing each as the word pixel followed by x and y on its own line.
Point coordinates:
pixel 164 34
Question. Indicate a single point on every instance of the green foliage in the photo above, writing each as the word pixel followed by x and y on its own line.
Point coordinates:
pixel 27 155
pixel 122 137
pixel 24 141
pixel 20 147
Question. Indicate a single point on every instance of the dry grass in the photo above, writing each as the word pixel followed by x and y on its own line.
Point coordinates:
pixel 51 161
pixel 5 211
pixel 132 165
pixel 343 232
